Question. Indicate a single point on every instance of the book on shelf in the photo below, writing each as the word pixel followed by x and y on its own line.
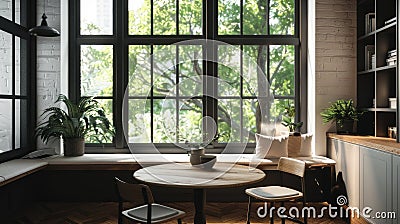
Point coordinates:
pixel 391 57
pixel 369 57
pixel 369 22
pixel 387 22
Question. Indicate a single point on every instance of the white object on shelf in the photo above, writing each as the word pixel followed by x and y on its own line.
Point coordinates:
pixel 392 103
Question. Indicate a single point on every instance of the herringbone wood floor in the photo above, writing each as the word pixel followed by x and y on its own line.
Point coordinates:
pixel 106 213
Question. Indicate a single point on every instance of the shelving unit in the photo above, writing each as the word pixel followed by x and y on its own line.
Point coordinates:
pixel 378 81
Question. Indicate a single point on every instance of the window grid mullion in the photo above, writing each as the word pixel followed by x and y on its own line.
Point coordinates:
pixel 13 128
pixel 151 92
pixel 177 92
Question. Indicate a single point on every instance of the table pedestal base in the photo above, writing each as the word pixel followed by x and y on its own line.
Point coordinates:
pixel 199 203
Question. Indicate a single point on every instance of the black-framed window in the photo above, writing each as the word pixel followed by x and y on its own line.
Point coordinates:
pixel 117 44
pixel 17 79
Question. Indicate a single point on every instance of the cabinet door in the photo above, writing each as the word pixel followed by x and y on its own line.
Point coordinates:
pixel 376 181
pixel 347 160
pixel 396 186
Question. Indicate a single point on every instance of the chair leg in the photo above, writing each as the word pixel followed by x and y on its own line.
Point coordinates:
pixel 272 213
pixel 248 210
pixel 306 213
pixel 179 221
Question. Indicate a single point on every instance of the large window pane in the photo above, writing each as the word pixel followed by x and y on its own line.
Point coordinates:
pixel 139 17
pixel 190 17
pixel 281 17
pixel 17 11
pixel 21 121
pixel 96 17
pixel 190 70
pixel 139 70
pixel 254 70
pixel 250 119
pixel 5 125
pixel 165 123
pixel 6 9
pixel 92 137
pixel 96 70
pixel 281 67
pixel 255 17
pixel 229 120
pixel 5 63
pixel 21 60
pixel 228 17
pixel 139 121
pixel 190 120
pixel 229 82
pixel 164 17
pixel 164 70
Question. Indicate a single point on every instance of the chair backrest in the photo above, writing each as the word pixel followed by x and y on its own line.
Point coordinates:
pixel 138 194
pixel 292 166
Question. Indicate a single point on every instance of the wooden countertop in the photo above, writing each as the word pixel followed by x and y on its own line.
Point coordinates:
pixel 379 143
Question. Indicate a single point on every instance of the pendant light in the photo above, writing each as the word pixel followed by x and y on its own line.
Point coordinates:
pixel 44 30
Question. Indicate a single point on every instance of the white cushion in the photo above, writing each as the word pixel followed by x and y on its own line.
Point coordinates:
pixel 271 147
pixel 158 212
pixel 300 146
pixel 272 192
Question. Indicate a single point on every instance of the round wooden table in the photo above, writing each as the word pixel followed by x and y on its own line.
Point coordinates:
pixel 222 175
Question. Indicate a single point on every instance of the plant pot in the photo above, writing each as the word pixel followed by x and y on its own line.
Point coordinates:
pixel 345 127
pixel 74 146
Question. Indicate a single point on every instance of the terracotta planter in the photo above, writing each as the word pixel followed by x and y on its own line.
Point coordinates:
pixel 74 146
pixel 345 127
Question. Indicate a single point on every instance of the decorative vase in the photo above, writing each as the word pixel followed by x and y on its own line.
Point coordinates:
pixel 195 155
pixel 345 127
pixel 74 146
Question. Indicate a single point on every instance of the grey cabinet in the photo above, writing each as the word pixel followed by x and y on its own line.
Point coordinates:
pixel 376 181
pixel 396 186
pixel 347 160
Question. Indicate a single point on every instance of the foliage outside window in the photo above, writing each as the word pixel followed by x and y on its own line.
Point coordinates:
pixel 154 29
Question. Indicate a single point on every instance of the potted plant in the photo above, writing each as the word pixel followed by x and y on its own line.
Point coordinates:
pixel 288 120
pixel 343 113
pixel 74 123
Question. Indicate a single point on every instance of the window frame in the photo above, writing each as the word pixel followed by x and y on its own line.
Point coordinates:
pixel 120 40
pixel 28 19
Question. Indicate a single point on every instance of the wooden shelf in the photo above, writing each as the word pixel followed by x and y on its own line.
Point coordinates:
pixel 363 37
pixel 387 67
pixel 378 109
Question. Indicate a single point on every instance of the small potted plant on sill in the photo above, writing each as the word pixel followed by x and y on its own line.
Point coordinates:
pixel 288 120
pixel 343 113
pixel 74 124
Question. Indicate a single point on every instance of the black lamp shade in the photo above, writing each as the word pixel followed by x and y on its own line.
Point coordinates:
pixel 44 30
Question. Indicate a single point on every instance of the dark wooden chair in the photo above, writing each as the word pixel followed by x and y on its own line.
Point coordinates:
pixel 280 194
pixel 144 209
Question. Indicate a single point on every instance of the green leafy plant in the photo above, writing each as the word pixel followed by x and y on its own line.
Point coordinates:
pixel 340 111
pixel 288 120
pixel 76 122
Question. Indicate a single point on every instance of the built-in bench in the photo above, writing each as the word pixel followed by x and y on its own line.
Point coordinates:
pixel 90 178
pixel 19 168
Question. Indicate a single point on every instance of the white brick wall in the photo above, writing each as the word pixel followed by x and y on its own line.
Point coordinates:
pixel 335 78
pixel 48 60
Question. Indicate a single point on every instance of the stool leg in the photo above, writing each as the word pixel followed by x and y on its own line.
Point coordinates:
pixel 248 210
pixel 179 221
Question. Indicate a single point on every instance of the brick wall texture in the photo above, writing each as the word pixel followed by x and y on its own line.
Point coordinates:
pixel 335 55
pixel 48 60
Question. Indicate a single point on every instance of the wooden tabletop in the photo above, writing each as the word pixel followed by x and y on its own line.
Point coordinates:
pixel 186 176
